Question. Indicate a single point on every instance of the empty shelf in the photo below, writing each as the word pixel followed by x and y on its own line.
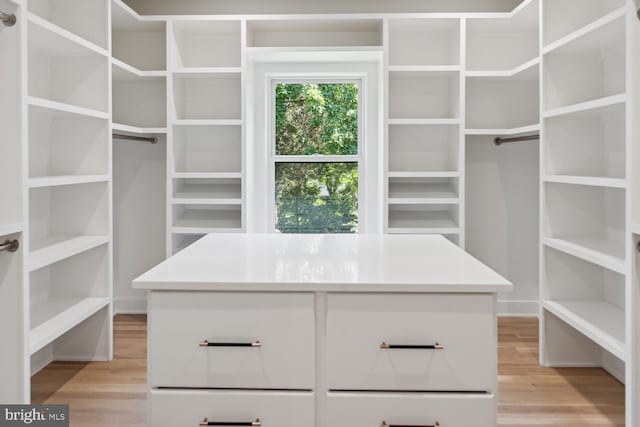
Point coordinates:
pixel 504 132
pixel 421 191
pixel 605 253
pixel 48 251
pixel 592 181
pixel 600 321
pixel 587 106
pixel 419 221
pixel 66 108
pixel 53 317
pixel 54 181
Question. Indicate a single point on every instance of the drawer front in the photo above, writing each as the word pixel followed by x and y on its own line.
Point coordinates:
pixel 232 340
pixel 427 342
pixel 412 409
pixel 208 407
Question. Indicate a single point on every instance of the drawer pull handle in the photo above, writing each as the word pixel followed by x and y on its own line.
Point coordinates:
pixel 385 424
pixel 436 346
pixel 206 343
pixel 206 422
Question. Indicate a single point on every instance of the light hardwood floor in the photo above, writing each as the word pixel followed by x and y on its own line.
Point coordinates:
pixel 114 394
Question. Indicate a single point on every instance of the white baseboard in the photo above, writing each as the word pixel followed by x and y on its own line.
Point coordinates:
pixel 130 306
pixel 518 308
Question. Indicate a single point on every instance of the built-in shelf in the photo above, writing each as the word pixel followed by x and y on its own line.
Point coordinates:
pixel 207 70
pixel 53 317
pixel 598 251
pixel 189 230
pixel 434 174
pixel 504 132
pixel 219 217
pixel 587 106
pixel 529 65
pixel 67 35
pixel 53 249
pixel 587 180
pixel 54 181
pixel 208 175
pixel 424 42
pixel 440 219
pixel 409 122
pixel 205 201
pixel 123 69
pixel 138 130
pixel 208 122
pixel 67 108
pixel 586 30
pixel 600 321
pixel 7 229
pixel 139 43
pixel 423 68
pixel 207 189
pixel 424 201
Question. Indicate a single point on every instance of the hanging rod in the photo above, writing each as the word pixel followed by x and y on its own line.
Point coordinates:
pixel 500 140
pixel 9 246
pixel 8 19
pixel 150 139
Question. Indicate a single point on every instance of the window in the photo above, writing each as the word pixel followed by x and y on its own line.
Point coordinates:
pixel 316 156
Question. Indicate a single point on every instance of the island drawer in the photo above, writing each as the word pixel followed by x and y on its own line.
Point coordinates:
pixel 246 408
pixel 232 340
pixel 411 342
pixel 410 409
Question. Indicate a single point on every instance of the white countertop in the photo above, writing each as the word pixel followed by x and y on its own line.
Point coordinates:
pixel 327 262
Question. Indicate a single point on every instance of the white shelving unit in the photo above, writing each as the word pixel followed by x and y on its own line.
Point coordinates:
pixel 206 129
pixel 589 294
pixel 425 104
pixel 502 70
pixel 59 204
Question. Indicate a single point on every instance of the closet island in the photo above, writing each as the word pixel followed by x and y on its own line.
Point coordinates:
pixel 322 330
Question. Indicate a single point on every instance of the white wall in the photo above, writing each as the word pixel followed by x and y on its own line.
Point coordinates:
pixel 502 215
pixel 139 206
pixel 185 7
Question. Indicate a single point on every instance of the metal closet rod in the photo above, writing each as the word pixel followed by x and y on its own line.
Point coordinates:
pixel 8 19
pixel 500 140
pixel 150 139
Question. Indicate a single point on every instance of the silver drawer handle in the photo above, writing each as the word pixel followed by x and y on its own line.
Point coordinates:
pixel 385 424
pixel 436 346
pixel 206 422
pixel 206 343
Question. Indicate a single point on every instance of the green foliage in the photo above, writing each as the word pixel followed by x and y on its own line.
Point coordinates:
pixel 317 119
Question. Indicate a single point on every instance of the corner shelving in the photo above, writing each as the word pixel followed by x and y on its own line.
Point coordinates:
pixel 85 18
pixel 504 44
pixel 137 43
pixel 139 99
pixel 587 70
pixel 585 191
pixel 66 71
pixel 496 103
pixel 67 183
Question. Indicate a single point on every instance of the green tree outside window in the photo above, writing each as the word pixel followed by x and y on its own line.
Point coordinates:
pixel 316 120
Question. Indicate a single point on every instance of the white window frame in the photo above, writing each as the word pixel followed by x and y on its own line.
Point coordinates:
pixel 358 158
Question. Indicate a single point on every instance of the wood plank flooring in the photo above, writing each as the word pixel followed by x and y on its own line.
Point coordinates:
pixel 114 394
